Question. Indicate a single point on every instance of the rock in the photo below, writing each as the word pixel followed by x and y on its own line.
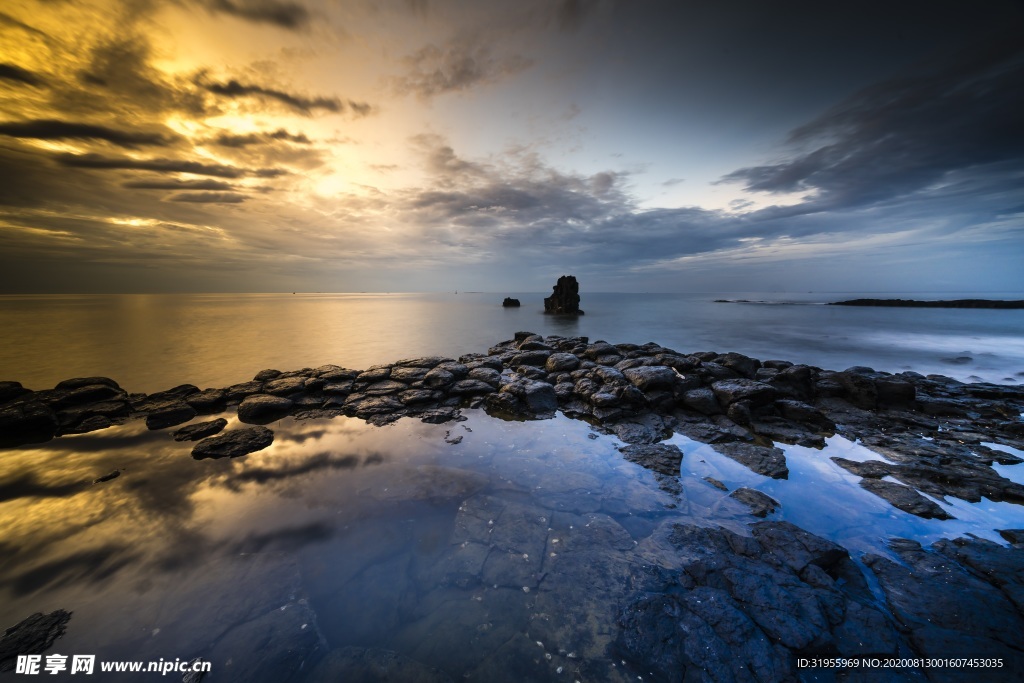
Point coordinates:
pixel 33 635
pixel 702 400
pixel 237 392
pixel 27 423
pixel 200 430
pixel 565 297
pixel 535 358
pixel 743 609
pixel 739 363
pixel 733 390
pixel 509 302
pixel 536 397
pixel 660 457
pixel 233 444
pixel 90 393
pixel 1014 536
pixel 208 401
pixel 11 390
pixel 264 375
pixel 717 484
pixel 79 382
pixel 649 377
pixel 905 498
pixel 948 611
pixel 438 378
pixel 169 414
pixel 263 408
pixel 284 386
pixel 771 462
pixel 470 387
pixel 374 374
pixel 384 388
pixel 760 504
pixel 561 362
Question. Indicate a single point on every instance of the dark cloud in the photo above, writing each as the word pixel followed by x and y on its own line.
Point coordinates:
pixel 229 140
pixel 8 20
pixel 905 135
pixel 173 184
pixel 52 129
pixel 456 67
pixel 304 105
pixel 12 72
pixel 570 15
pixel 209 198
pixel 288 15
pixel 164 166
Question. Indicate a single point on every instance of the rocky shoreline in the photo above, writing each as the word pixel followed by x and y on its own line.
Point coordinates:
pixel 914 303
pixel 730 606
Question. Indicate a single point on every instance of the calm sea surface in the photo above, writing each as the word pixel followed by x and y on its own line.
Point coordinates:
pixel 152 342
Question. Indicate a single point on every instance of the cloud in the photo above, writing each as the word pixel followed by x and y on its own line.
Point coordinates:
pixel 287 15
pixel 907 135
pixel 163 166
pixel 12 72
pixel 303 105
pixel 174 184
pixel 570 15
pixel 230 140
pixel 459 66
pixel 52 129
pixel 209 198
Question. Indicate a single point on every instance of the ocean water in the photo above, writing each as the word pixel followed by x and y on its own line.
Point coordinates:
pixel 482 549
pixel 152 342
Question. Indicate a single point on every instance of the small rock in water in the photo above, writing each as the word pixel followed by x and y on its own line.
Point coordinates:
pixel 233 444
pixel 509 302
pixel 760 504
pixel 200 430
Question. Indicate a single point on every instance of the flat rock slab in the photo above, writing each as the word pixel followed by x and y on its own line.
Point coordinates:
pixel 760 504
pixel 33 635
pixel 662 458
pixel 905 498
pixel 200 430
pixel 233 444
pixel 771 462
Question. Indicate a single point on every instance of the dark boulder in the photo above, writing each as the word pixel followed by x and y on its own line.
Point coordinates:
pixel 771 462
pixel 663 458
pixel 263 408
pixel 200 430
pixel 730 391
pixel 760 504
pixel 11 390
pixel 27 423
pixel 509 302
pixel 905 498
pixel 169 413
pixel 233 444
pixel 208 401
pixel 565 297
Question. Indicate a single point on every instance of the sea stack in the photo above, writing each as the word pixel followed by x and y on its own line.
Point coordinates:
pixel 565 297
pixel 509 302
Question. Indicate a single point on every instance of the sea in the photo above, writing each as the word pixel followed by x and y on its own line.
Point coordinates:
pixel 151 342
pixel 482 549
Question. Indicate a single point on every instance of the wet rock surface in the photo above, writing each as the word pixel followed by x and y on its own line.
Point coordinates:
pixel 233 444
pixel 34 635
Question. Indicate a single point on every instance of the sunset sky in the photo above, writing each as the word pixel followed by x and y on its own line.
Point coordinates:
pixel 405 145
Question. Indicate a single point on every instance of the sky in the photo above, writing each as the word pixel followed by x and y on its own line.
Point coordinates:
pixel 438 145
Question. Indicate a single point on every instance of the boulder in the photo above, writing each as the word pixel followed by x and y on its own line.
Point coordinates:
pixel 730 391
pixel 169 413
pixel 565 297
pixel 760 504
pixel 771 462
pixel 648 377
pixel 263 408
pixel 27 423
pixel 200 430
pixel 663 458
pixel 233 444
pixel 509 302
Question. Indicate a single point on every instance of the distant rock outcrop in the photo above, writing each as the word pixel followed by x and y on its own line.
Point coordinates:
pixel 509 302
pixel 565 297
